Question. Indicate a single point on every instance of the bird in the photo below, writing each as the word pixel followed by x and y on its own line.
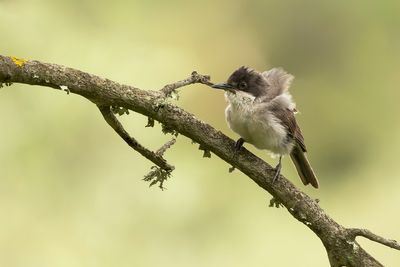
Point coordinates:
pixel 262 111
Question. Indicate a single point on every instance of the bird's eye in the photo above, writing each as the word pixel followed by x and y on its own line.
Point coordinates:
pixel 242 85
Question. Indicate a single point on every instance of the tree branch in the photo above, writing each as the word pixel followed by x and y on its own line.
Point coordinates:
pixel 194 78
pixel 339 241
pixel 156 158
pixel 354 232
pixel 166 146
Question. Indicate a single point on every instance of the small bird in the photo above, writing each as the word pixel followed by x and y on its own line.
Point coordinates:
pixel 261 110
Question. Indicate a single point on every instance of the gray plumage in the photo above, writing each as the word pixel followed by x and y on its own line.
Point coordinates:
pixel 261 110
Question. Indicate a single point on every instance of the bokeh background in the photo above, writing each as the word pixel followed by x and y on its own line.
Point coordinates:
pixel 71 192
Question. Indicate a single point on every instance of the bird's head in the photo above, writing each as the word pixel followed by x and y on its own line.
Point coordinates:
pixel 244 79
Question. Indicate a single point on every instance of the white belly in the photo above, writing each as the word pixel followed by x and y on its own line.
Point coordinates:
pixel 257 126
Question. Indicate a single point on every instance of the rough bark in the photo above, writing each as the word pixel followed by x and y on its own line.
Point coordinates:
pixel 339 241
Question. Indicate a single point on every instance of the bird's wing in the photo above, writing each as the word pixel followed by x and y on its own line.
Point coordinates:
pixel 286 116
pixel 278 80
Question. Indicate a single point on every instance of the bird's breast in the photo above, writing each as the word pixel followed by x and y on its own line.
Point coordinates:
pixel 257 125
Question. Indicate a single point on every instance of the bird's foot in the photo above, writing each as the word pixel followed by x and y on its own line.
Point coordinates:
pixel 277 171
pixel 239 143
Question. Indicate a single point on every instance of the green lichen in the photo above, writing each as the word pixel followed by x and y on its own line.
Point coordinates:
pixel 5 84
pixel 168 130
pixel 119 110
pixel 150 122
pixel 275 203
pixel 157 175
pixel 207 153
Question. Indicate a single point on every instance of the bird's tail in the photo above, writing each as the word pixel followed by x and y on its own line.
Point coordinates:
pixel 303 167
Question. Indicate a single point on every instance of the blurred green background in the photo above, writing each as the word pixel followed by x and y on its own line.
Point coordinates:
pixel 71 192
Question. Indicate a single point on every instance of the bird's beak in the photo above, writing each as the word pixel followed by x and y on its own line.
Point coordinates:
pixel 224 86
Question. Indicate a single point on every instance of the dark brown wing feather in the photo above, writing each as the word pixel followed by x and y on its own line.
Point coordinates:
pixel 298 154
pixel 286 116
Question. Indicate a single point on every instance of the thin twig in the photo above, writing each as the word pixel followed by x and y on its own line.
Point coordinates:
pixel 164 148
pixel 194 78
pixel 354 232
pixel 156 158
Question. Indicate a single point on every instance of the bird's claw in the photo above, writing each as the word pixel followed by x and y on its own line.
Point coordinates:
pixel 277 170
pixel 239 144
pixel 276 175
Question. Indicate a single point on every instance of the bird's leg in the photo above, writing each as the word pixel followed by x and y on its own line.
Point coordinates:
pixel 239 144
pixel 277 170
